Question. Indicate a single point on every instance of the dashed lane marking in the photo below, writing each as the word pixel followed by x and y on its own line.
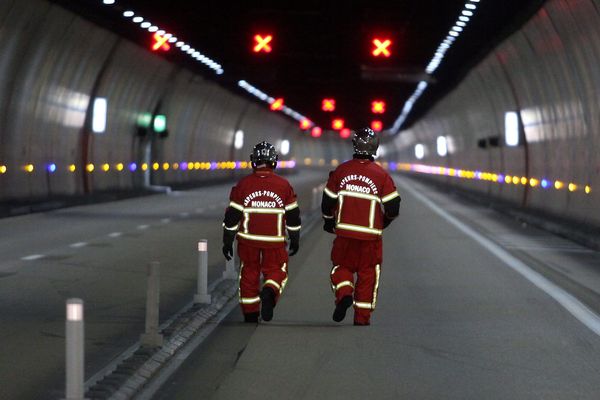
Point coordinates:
pixel 32 257
pixel 165 220
pixel 115 234
pixel 78 244
pixel 142 227
pixel 184 214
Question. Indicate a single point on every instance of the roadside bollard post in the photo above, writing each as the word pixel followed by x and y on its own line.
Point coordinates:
pixel 202 295
pixel 74 350
pixel 230 272
pixel 315 196
pixel 151 337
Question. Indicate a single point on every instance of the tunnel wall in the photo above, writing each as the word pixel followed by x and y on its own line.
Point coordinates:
pixel 53 64
pixel 548 73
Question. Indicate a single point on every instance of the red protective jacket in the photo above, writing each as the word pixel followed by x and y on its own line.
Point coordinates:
pixel 356 195
pixel 267 204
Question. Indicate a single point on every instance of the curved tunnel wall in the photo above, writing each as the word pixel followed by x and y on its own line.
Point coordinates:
pixel 548 74
pixel 53 64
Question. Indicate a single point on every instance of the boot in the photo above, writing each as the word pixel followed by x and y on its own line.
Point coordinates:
pixel 340 309
pixel 267 298
pixel 251 317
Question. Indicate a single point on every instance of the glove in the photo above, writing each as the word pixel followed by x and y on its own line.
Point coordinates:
pixel 228 237
pixel 329 225
pixel 294 242
pixel 387 221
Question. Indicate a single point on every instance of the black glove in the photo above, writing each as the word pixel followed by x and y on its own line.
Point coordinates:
pixel 228 237
pixel 294 242
pixel 387 221
pixel 329 225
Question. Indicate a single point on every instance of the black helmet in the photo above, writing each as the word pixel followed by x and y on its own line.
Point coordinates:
pixel 264 153
pixel 365 142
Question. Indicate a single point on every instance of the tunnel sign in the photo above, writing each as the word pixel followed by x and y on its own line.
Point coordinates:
pixel 381 47
pixel 262 43
pixel 160 43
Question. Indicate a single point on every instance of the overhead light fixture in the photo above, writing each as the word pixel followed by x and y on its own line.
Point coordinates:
pixel 128 14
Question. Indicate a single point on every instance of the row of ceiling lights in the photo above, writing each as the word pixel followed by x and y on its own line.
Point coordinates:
pixel 460 25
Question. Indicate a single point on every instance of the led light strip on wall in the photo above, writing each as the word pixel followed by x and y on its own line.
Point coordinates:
pixel 460 25
pixel 132 167
pixel 500 178
pixel 182 46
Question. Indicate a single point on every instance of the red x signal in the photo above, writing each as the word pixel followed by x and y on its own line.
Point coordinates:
pixel 381 47
pixel 305 123
pixel 277 104
pixel 345 133
pixel 160 43
pixel 262 43
pixel 337 124
pixel 376 125
pixel 378 106
pixel 316 132
pixel 328 105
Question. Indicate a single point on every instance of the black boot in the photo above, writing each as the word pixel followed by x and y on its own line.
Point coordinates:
pixel 267 298
pixel 340 309
pixel 251 317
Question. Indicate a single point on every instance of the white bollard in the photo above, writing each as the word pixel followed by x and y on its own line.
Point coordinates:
pixel 230 272
pixel 151 337
pixel 202 295
pixel 315 197
pixel 74 350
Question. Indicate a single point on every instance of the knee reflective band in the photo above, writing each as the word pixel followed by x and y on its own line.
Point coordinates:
pixel 293 228
pixel 376 288
pixel 291 206
pixel 360 304
pixel 249 300
pixel 272 283
pixel 344 283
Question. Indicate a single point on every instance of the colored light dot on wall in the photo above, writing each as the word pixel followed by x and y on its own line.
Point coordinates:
pixel 120 167
pixel 2 169
pixel 321 162
pixel 166 166
pixel 72 168
pixel 307 161
pixel 524 180
pixel 515 180
pixel 175 166
pixel 51 168
pixel 335 163
pixel 197 165
pixel 144 167
pixel 155 166
pixel 29 168
pixel 545 183
pixel 190 165
pixel 533 182
pixel 588 189
pixel 558 185
pixel 572 187
pixel 244 164
pixel 90 168
pixel 132 167
pixel 105 167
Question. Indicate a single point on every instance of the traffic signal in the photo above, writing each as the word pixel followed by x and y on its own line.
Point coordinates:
pixel 277 104
pixel 381 47
pixel 328 105
pixel 378 106
pixel 160 43
pixel 345 133
pixel 316 132
pixel 262 43
pixel 376 125
pixel 337 124
pixel 305 123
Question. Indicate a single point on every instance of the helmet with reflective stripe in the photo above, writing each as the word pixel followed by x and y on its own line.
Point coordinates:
pixel 365 142
pixel 264 153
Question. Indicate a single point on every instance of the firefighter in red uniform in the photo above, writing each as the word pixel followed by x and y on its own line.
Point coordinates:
pixel 262 206
pixel 359 201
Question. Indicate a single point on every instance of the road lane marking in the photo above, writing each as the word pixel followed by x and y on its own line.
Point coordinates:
pixel 78 244
pixel 184 214
pixel 165 220
pixel 115 234
pixel 575 307
pixel 32 257
pixel 142 227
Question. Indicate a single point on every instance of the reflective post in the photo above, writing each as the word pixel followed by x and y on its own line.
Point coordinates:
pixel 74 350
pixel 151 337
pixel 202 295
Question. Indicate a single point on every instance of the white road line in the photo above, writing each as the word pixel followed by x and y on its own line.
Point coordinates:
pixel 142 227
pixel 32 257
pixel 184 214
pixel 115 234
pixel 78 244
pixel 165 220
pixel 565 299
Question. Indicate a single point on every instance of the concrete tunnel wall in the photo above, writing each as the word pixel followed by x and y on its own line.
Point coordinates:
pixel 548 73
pixel 53 64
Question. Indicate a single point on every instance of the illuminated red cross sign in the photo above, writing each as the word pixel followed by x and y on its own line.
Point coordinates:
pixel 262 43
pixel 160 43
pixel 381 47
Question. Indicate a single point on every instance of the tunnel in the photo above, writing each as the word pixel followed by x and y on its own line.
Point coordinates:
pixel 120 144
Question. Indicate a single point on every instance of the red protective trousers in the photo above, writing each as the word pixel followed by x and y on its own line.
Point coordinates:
pixel 271 262
pixel 363 258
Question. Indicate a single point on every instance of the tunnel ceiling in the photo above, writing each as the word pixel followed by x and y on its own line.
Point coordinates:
pixel 323 49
